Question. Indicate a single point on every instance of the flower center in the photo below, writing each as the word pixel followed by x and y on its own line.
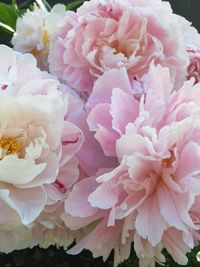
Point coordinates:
pixel 9 146
pixel 45 40
pixel 119 50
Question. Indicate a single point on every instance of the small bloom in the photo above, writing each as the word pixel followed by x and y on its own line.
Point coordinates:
pixel 34 31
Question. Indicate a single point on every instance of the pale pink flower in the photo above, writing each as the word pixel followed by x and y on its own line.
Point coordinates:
pixel 149 196
pixel 35 29
pixel 109 34
pixel 37 143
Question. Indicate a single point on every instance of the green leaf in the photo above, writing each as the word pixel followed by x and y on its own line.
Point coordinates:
pixel 8 15
pixel 74 4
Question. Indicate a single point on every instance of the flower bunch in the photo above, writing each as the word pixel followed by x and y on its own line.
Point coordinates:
pixel 100 131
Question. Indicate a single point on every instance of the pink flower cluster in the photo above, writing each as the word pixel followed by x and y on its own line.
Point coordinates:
pixel 104 146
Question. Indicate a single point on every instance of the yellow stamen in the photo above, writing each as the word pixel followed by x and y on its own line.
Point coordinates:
pixel 120 50
pixel 45 40
pixel 9 146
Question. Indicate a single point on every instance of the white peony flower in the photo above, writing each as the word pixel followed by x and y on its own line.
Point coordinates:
pixel 37 142
pixel 35 29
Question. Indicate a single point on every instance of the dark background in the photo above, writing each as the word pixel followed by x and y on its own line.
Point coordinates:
pixel 190 9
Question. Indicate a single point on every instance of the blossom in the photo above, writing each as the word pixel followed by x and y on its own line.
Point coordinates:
pixel 149 197
pixel 109 34
pixel 37 143
pixel 34 31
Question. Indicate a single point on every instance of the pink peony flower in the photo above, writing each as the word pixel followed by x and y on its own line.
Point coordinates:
pixel 109 34
pixel 149 197
pixel 37 144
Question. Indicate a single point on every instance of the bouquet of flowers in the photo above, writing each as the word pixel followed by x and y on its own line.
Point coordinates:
pixel 100 129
